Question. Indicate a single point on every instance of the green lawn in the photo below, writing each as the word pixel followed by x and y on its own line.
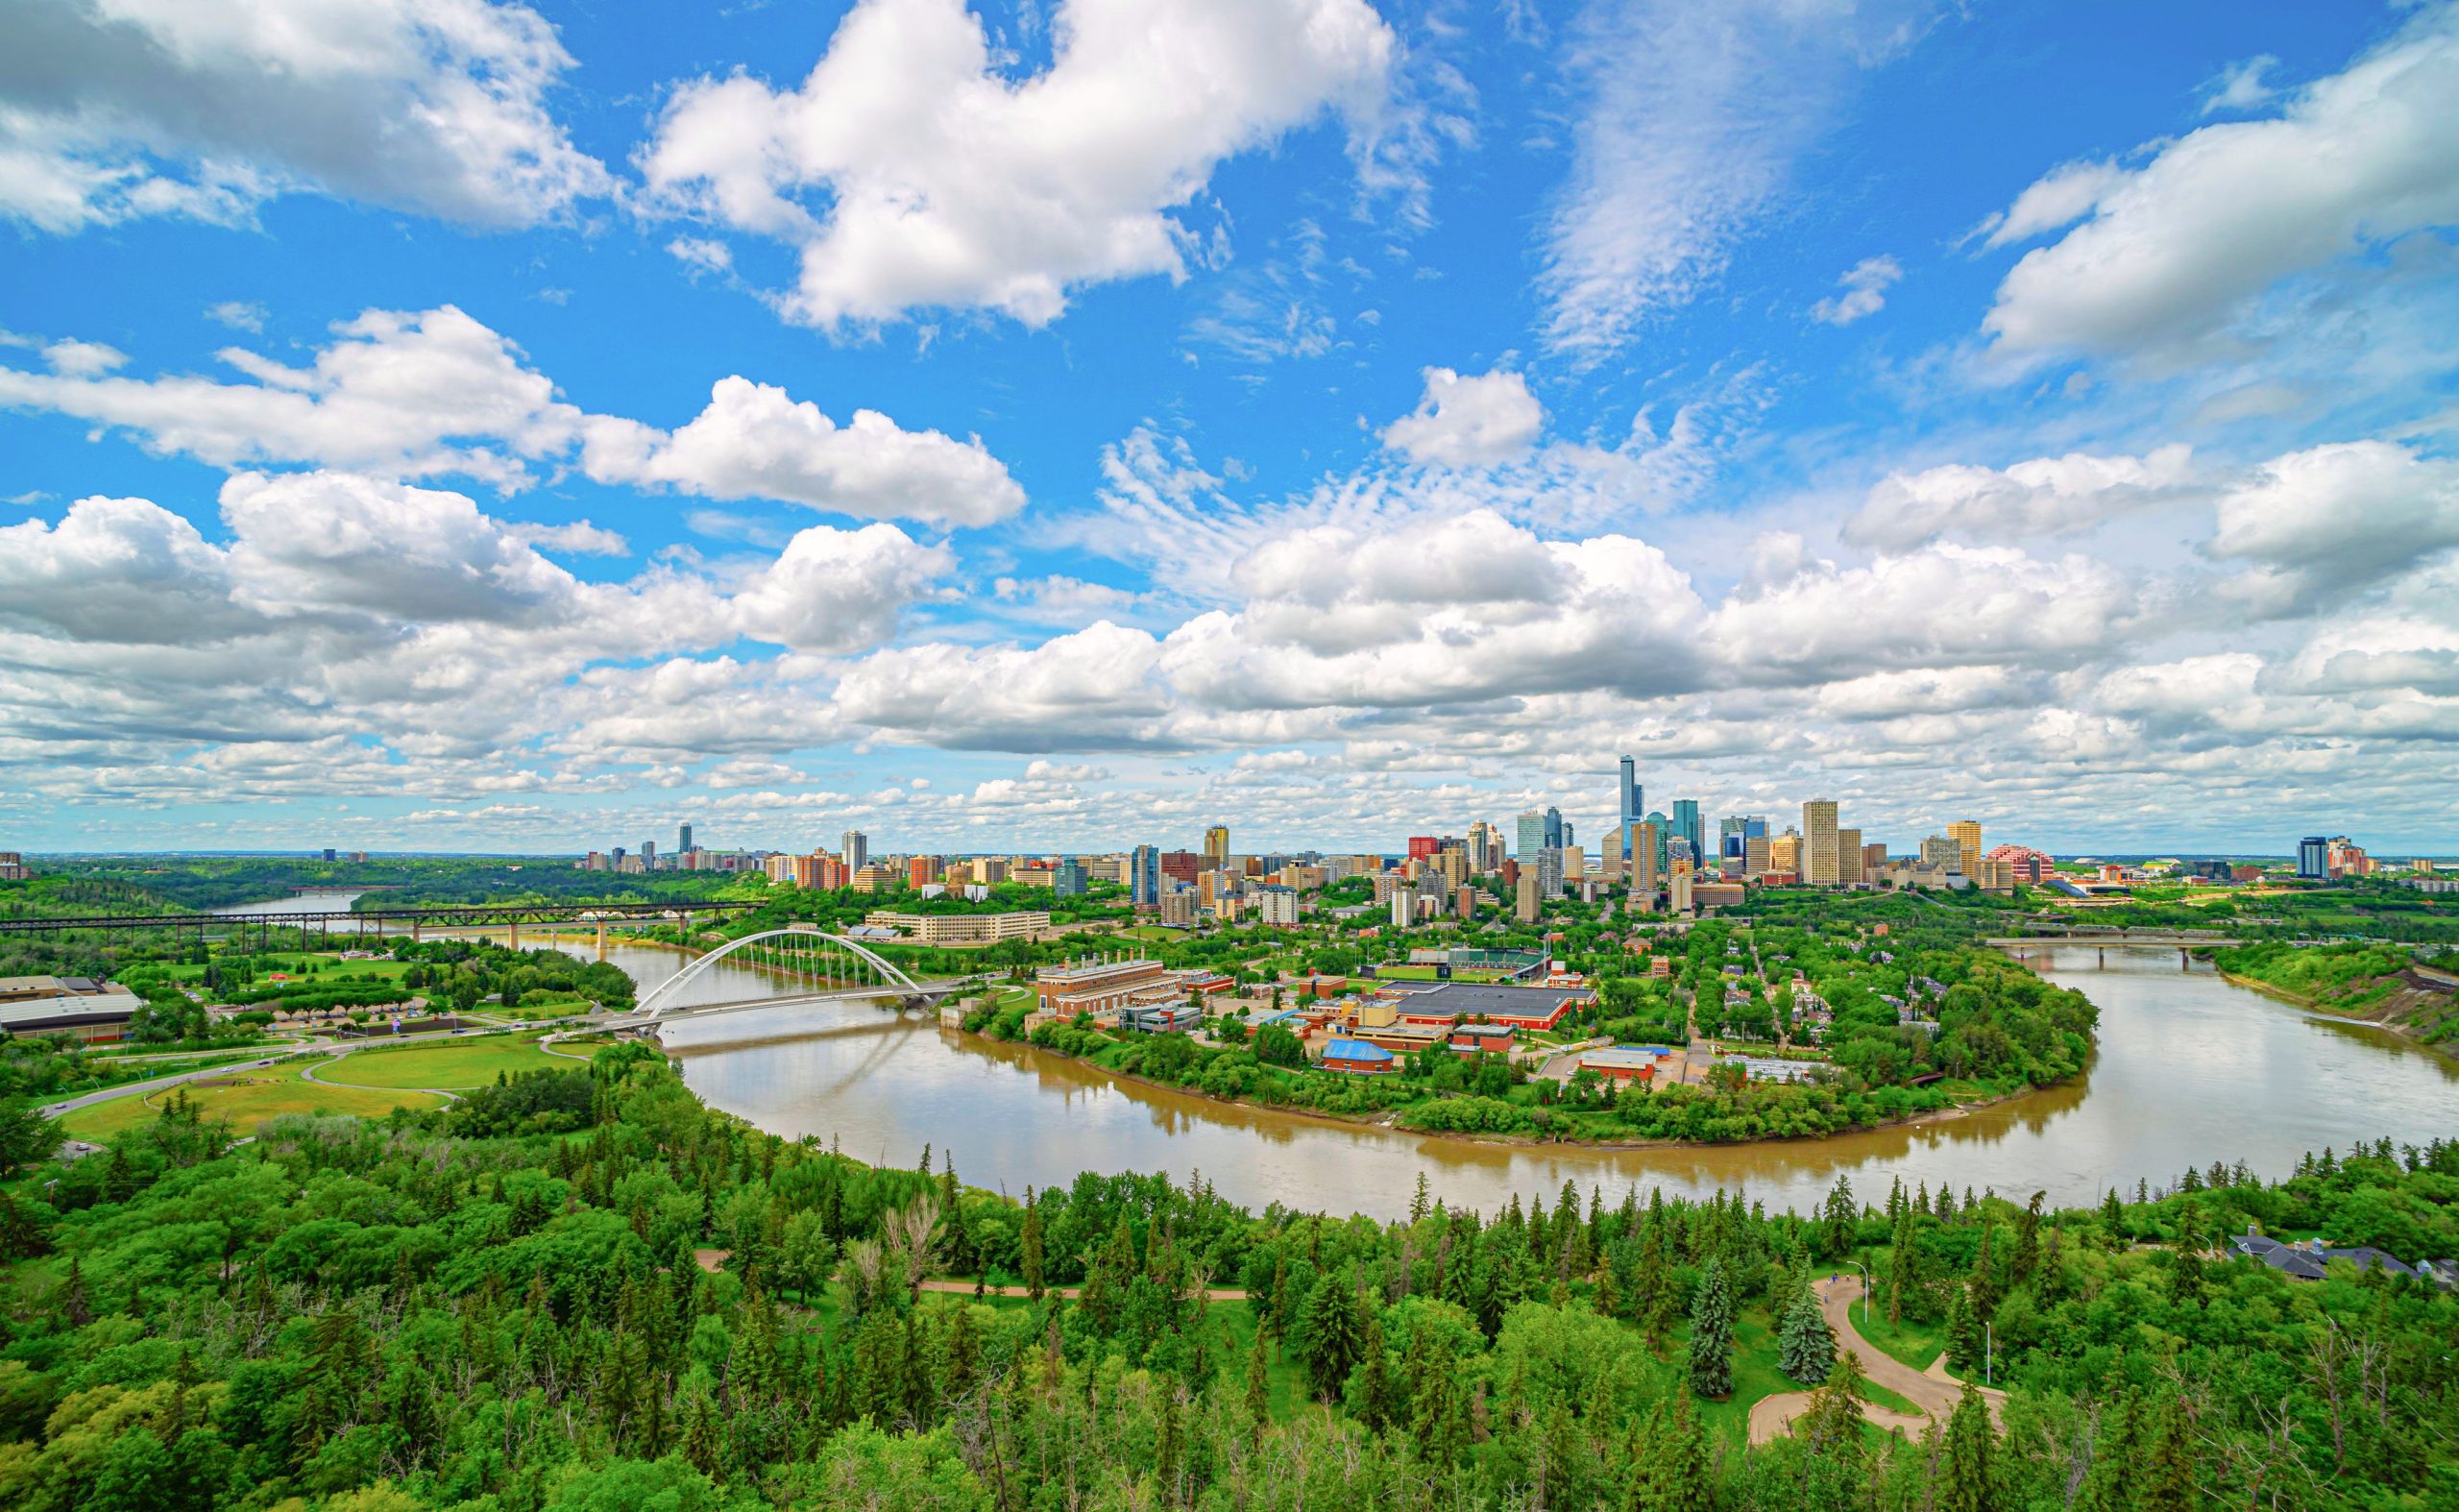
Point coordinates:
pixel 243 1098
pixel 1755 1374
pixel 453 1065
pixel 1915 1344
pixel 1235 1322
pixel 291 963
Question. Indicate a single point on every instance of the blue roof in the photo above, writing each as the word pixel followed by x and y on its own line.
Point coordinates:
pixel 1356 1050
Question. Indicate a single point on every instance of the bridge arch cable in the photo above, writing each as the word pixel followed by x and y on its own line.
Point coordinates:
pixel 659 999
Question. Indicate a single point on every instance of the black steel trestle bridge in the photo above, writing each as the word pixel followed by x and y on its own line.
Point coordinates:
pixel 384 924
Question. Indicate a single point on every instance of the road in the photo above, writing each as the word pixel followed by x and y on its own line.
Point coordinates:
pixel 1934 1391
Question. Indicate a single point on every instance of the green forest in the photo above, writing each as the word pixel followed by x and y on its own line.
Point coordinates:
pixel 582 1289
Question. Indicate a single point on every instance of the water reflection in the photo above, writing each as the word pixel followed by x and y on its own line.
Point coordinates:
pixel 2191 1069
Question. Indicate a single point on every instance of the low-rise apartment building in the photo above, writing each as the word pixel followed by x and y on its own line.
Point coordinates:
pixel 960 929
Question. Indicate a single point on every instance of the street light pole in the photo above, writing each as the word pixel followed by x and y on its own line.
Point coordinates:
pixel 1869 1284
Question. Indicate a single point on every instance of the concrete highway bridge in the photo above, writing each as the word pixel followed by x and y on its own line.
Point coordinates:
pixel 2171 941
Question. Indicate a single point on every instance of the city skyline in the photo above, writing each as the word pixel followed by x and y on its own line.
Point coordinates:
pixel 1412 415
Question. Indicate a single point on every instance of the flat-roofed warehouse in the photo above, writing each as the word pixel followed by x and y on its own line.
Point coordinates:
pixel 1531 1007
pixel 77 1008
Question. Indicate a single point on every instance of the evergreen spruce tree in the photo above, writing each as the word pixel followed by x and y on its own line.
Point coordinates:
pixel 1985 1275
pixel 1712 1335
pixel 1655 1302
pixel 1832 1421
pixel 1971 1480
pixel 1836 1226
pixel 1030 1257
pixel 1683 1477
pixel 2168 1481
pixel 1903 1265
pixel 1259 1386
pixel 1378 1401
pixel 1334 1334
pixel 1963 1334
pixel 1434 1405
pixel 702 1444
pixel 2027 1255
pixel 2109 1485
pixel 1171 1444
pixel 1642 1491
pixel 1805 1347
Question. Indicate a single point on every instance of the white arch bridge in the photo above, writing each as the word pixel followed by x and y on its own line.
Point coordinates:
pixel 807 964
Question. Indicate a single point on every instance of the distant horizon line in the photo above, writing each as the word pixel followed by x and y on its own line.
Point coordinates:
pixel 578 854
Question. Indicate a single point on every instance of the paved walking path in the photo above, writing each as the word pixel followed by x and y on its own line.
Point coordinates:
pixel 1934 1391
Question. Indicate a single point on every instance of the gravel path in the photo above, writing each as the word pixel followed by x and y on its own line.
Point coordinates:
pixel 1934 1391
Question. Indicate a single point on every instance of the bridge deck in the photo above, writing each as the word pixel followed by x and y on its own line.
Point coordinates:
pixel 442 915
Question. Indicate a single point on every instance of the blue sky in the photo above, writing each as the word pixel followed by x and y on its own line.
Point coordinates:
pixel 436 426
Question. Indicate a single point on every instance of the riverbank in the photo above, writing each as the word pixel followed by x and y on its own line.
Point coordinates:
pixel 2395 1014
pixel 1390 1120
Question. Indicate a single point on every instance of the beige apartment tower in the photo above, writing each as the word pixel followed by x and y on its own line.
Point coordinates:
pixel 1848 858
pixel 1216 848
pixel 1967 834
pixel 1820 865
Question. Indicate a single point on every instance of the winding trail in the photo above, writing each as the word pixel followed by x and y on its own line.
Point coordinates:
pixel 1934 1391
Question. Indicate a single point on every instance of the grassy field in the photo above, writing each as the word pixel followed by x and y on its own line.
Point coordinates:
pixel 1915 1344
pixel 243 1097
pixel 453 1065
pixel 332 968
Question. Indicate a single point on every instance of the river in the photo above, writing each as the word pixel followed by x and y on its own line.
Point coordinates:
pixel 335 902
pixel 2191 1069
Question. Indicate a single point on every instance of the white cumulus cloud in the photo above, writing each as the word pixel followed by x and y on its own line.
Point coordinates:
pixel 414 395
pixel 1865 284
pixel 910 171
pixel 116 110
pixel 2173 247
pixel 2042 497
pixel 1469 422
pixel 755 442
pixel 2320 525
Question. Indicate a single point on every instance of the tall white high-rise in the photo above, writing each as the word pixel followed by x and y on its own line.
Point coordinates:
pixel 854 849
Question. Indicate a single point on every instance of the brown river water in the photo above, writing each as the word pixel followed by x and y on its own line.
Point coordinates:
pixel 2191 1069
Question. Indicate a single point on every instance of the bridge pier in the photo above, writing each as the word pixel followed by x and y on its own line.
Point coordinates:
pixel 516 934
pixel 602 939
